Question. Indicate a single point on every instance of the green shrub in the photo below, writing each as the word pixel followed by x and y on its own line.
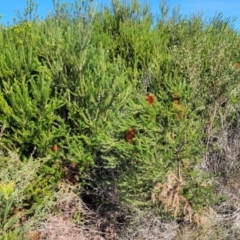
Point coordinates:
pixel 15 177
pixel 130 103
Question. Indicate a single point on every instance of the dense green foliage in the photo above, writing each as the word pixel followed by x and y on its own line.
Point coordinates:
pixel 81 80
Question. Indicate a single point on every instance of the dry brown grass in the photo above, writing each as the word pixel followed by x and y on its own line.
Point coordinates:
pixel 170 197
pixel 148 225
pixel 70 220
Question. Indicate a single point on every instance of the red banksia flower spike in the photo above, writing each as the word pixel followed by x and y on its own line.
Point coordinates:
pixel 150 98
pixel 54 148
pixel 130 135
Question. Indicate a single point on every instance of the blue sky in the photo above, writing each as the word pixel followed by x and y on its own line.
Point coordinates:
pixel 229 8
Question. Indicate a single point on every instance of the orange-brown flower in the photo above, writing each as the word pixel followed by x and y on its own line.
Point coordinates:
pixel 237 65
pixel 54 148
pixel 130 135
pixel 150 98
pixel 179 109
pixel 176 102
